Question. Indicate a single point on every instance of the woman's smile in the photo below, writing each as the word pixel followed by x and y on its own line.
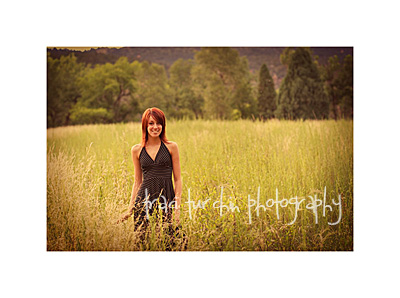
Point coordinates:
pixel 154 128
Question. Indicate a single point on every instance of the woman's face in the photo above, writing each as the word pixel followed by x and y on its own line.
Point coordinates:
pixel 154 129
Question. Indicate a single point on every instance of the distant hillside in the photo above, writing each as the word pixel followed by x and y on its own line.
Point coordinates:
pixel 168 55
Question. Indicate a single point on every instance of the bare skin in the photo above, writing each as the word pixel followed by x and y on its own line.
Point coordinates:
pixel 152 146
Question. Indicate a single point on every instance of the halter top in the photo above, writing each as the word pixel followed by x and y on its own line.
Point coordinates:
pixel 157 176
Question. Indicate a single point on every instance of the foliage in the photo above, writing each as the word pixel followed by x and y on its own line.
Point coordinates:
pixel 62 89
pixel 266 94
pixel 217 84
pixel 301 95
pixel 152 86
pixel 185 103
pixel 111 87
pixel 338 78
pixel 286 56
pixel 221 77
pixel 244 101
pixel 83 115
pixel 329 74
pixel 168 55
pixel 346 86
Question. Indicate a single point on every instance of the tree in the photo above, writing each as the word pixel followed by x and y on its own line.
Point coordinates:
pixel 244 101
pixel 339 86
pixel 109 87
pixel 62 88
pixel 266 94
pixel 301 95
pixel 152 86
pixel 345 82
pixel 286 56
pixel 329 75
pixel 221 77
pixel 185 103
pixel 243 98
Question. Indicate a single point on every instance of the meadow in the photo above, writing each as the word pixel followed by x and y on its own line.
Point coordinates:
pixel 90 177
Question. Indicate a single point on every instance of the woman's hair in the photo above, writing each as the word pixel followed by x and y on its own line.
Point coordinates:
pixel 159 116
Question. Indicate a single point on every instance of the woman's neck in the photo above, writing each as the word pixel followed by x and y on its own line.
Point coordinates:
pixel 153 141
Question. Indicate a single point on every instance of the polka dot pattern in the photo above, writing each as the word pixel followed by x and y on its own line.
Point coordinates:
pixel 157 178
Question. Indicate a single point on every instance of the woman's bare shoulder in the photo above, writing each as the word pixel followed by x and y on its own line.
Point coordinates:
pixel 172 143
pixel 172 146
pixel 136 148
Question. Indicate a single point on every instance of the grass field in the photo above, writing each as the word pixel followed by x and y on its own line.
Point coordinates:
pixel 90 176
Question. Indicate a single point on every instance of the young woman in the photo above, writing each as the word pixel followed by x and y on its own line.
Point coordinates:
pixel 155 159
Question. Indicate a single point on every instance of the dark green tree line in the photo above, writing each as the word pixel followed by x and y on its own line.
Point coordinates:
pixel 217 84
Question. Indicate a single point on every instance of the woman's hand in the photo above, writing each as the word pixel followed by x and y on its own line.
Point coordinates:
pixel 177 214
pixel 125 216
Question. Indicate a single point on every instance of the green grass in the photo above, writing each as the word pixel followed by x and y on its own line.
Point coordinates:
pixel 90 176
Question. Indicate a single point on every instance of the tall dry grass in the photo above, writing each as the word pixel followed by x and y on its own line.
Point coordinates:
pixel 90 176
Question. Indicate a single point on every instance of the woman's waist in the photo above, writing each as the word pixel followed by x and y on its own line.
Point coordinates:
pixel 165 174
pixel 152 177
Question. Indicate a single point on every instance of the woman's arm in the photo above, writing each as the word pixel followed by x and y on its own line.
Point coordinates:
pixel 137 182
pixel 176 168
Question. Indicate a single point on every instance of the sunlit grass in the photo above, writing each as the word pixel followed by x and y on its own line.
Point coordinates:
pixel 90 176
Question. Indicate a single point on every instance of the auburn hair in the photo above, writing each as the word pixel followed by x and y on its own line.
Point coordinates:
pixel 159 116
